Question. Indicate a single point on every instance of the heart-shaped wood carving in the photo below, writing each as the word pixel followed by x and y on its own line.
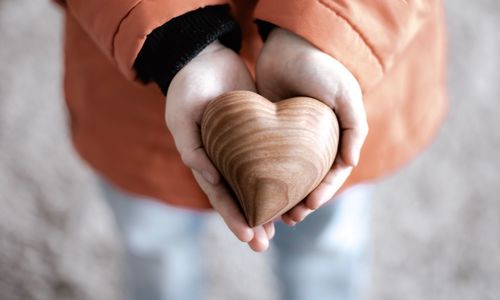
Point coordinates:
pixel 271 154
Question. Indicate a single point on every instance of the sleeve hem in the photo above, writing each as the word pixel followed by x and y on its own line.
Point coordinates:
pixel 171 46
pixel 329 32
pixel 139 22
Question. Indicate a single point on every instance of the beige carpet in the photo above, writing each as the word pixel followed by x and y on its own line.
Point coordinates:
pixel 436 224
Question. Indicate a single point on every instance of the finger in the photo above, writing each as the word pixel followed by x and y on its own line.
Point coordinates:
pixel 330 185
pixel 270 230
pixel 260 242
pixel 299 212
pixel 288 221
pixel 351 144
pixel 353 126
pixel 187 136
pixel 227 208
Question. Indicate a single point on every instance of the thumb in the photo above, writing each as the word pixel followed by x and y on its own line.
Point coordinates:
pixel 187 136
pixel 228 209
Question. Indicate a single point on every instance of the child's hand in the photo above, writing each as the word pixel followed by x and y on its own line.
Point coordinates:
pixel 214 71
pixel 290 66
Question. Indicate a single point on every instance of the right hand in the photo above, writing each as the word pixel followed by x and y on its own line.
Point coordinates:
pixel 213 72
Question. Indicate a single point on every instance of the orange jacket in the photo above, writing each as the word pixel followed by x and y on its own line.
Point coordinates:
pixel 396 50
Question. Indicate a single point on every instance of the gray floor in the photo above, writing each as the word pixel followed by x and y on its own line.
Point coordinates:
pixel 436 223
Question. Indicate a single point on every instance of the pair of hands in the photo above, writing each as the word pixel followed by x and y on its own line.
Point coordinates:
pixel 288 66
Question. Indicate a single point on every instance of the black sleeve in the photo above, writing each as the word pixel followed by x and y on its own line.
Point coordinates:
pixel 171 46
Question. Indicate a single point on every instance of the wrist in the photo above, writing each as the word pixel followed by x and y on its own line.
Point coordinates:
pixel 173 45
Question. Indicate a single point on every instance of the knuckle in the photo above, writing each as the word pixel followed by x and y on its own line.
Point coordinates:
pixel 189 159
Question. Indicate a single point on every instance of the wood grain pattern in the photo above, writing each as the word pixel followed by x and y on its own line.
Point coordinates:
pixel 272 155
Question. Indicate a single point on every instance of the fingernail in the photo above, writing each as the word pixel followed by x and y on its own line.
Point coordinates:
pixel 352 161
pixel 209 177
pixel 355 160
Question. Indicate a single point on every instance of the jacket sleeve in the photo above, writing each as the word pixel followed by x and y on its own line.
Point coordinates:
pixel 120 27
pixel 365 36
pixel 174 44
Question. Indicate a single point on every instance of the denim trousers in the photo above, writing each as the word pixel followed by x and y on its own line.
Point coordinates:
pixel 323 257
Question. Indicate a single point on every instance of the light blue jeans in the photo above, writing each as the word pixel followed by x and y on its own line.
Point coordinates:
pixel 323 257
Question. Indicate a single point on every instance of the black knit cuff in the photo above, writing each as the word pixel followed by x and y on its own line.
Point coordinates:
pixel 174 44
pixel 264 28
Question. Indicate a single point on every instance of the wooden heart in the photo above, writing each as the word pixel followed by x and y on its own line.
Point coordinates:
pixel 271 154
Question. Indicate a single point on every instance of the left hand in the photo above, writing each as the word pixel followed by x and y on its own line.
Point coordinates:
pixel 289 66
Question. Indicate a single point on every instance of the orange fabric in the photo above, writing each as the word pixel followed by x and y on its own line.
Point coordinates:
pixel 396 49
pixel 119 27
